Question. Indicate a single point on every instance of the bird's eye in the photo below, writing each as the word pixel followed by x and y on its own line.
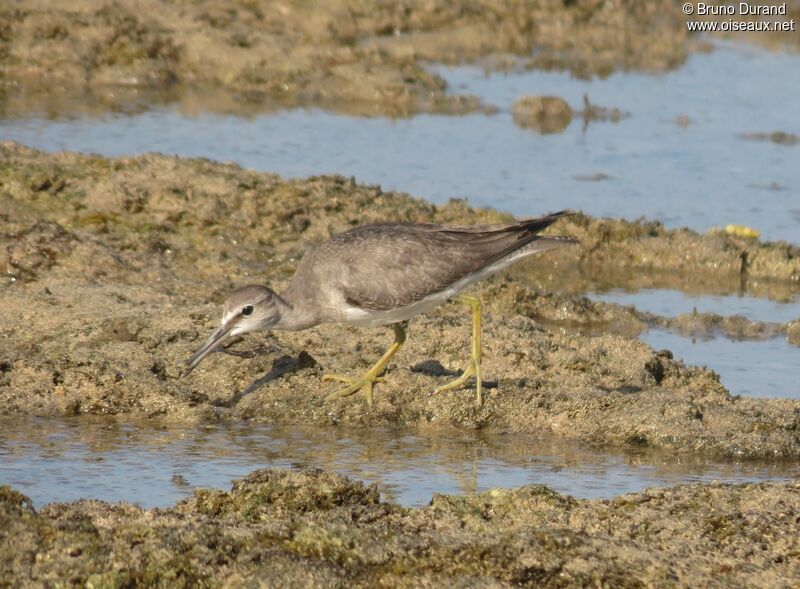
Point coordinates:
pixel 247 310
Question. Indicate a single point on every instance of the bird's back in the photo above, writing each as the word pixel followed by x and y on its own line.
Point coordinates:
pixel 391 265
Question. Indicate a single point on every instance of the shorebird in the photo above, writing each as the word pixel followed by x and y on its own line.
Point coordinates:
pixel 385 274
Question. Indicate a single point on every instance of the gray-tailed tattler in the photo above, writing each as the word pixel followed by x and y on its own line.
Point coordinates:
pixel 385 274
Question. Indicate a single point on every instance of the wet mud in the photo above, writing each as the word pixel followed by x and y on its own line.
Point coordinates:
pixel 312 528
pixel 114 270
pixel 347 55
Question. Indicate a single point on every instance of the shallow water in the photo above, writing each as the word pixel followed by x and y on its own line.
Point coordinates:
pixel 670 303
pixel 63 460
pixel 703 175
pixel 750 368
pixel 764 369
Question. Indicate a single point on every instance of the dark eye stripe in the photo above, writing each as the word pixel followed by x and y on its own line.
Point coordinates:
pixel 247 310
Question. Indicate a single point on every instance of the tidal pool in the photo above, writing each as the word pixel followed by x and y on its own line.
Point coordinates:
pixel 681 155
pixel 670 303
pixel 157 464
pixel 750 368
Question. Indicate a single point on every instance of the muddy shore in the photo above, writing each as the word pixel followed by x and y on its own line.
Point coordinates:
pixel 352 56
pixel 347 55
pixel 311 528
pixel 115 269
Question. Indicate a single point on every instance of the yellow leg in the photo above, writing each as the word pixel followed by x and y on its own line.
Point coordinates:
pixel 474 367
pixel 373 375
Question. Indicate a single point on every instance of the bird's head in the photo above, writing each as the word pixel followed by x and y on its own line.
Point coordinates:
pixel 250 308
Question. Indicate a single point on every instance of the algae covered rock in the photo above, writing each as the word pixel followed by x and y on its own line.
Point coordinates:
pixel 545 114
pixel 270 492
pixel 313 528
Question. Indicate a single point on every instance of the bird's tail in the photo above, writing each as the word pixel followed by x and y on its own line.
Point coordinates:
pixel 523 237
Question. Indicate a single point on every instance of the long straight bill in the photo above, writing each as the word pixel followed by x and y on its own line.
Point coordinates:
pixel 211 344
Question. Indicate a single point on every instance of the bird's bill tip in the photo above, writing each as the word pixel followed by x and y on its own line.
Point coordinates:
pixel 212 343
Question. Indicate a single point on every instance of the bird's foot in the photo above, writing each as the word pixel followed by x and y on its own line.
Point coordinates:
pixel 473 369
pixel 367 381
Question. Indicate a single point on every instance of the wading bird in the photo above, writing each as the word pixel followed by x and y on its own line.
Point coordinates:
pixel 385 274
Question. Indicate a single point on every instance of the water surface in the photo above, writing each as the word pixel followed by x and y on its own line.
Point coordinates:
pixel 671 303
pixel 760 368
pixel 750 368
pixel 157 465
pixel 702 175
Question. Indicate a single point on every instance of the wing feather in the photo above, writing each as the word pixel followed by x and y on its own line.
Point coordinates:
pixel 390 265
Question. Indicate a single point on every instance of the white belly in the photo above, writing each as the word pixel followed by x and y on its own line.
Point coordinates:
pixel 372 318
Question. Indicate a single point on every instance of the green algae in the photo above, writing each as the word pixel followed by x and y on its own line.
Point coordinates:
pixel 529 537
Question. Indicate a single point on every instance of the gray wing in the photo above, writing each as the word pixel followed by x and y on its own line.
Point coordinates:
pixel 390 265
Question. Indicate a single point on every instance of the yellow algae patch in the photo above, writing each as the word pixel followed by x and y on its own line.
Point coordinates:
pixel 742 231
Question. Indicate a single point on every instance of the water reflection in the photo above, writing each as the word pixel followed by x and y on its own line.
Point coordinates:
pixel 156 464
pixel 652 283
pixel 749 368
pixel 698 174
pixel 671 303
